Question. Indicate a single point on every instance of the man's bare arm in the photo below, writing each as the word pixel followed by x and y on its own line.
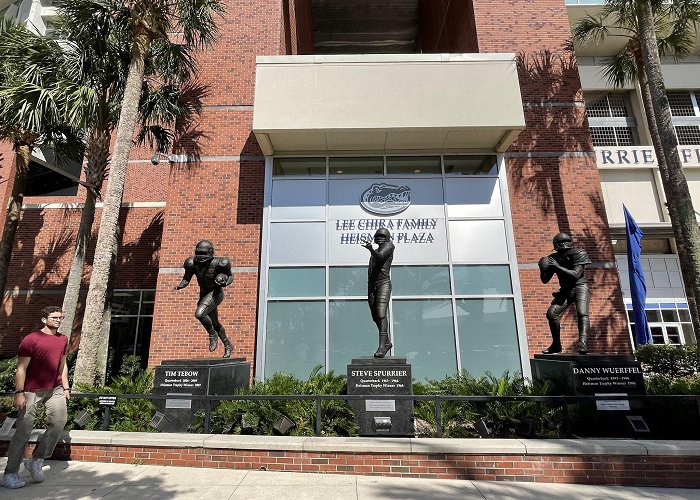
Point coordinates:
pixel 20 378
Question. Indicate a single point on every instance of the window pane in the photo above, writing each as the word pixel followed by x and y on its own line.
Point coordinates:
pixel 122 333
pixel 684 314
pixel 657 334
pixel 471 165
pixel 125 302
pixel 295 339
pixel 669 316
pixel 148 298
pixel 346 281
pixel 482 280
pixel 297 243
pixel 299 166
pixel 487 336
pixel 673 334
pixel 352 333
pixel 423 331
pixel 368 165
pixel 413 165
pixel 653 316
pixel 297 282
pixel 143 340
pixel 688 335
pixel 420 280
pixel 43 181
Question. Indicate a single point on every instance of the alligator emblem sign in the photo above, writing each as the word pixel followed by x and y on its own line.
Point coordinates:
pixel 385 199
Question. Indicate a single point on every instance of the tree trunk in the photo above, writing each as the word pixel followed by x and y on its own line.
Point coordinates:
pixel 14 209
pixel 679 202
pixel 91 363
pixel 97 157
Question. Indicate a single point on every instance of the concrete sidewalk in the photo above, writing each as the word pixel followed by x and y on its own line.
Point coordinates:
pixel 83 480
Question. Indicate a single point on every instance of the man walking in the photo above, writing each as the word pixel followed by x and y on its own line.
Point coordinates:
pixel 41 378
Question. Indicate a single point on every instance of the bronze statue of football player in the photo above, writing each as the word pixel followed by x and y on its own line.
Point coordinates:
pixel 569 264
pixel 213 274
pixel 379 286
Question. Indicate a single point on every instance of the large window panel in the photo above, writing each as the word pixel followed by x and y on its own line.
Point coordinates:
pixel 348 281
pixel 482 280
pixel 298 199
pixel 478 241
pixel 473 198
pixel 488 340
pixel 296 282
pixel 420 280
pixel 352 333
pixel 423 331
pixel 297 243
pixel 295 339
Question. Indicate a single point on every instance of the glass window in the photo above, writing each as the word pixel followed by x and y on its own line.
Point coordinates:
pixel 653 316
pixel 297 282
pixel 423 331
pixel 299 166
pixel 297 242
pixel 43 181
pixel 488 340
pixel 478 241
pixel 348 281
pixel 482 280
pixel 351 333
pixel 420 280
pixel 148 299
pixel 669 316
pixel 684 314
pixel 125 302
pixel 413 165
pixel 471 165
pixel 369 165
pixel 295 338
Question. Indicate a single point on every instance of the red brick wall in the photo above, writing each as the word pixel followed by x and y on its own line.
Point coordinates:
pixel 220 199
pixel 553 179
pixel 666 471
pixel 447 26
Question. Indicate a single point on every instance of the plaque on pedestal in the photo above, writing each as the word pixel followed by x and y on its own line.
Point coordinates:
pixel 589 374
pixel 185 377
pixel 378 376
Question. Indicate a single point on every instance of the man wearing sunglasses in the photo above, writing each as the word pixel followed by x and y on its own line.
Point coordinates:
pixel 41 379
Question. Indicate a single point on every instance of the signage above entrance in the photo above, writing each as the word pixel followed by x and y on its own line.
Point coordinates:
pixel 386 199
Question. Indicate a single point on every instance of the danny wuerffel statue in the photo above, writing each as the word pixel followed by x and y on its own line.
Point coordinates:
pixel 213 274
pixel 568 263
pixel 379 286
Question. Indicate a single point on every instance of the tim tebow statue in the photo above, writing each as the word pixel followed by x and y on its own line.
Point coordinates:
pixel 213 274
pixel 379 286
pixel 569 264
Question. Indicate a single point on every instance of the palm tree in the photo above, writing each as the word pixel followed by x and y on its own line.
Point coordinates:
pixel 151 22
pixel 34 96
pixel 653 28
pixel 97 48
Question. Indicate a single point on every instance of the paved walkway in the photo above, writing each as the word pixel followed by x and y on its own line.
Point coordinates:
pixel 89 480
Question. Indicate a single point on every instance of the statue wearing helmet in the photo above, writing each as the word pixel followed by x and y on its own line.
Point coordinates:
pixel 568 263
pixel 213 274
pixel 379 286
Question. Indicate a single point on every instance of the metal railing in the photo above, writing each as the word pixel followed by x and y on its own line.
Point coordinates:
pixel 437 400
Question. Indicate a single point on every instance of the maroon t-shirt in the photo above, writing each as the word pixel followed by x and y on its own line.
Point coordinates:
pixel 45 352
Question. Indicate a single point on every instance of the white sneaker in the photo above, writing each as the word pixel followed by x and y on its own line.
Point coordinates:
pixel 12 480
pixel 34 466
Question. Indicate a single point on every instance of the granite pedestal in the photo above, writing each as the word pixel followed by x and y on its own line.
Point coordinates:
pixel 212 377
pixel 378 376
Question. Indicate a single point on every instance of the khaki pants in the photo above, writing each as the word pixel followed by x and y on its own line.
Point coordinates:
pixel 56 416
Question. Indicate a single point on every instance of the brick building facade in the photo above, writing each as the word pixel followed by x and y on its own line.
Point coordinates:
pixel 548 172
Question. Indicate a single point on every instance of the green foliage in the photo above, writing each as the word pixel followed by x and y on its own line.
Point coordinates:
pixel 671 360
pixel 8 367
pixel 503 418
pixel 128 415
pixel 659 384
pixel 258 417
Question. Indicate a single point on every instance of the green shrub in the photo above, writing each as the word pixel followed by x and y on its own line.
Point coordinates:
pixel 258 417
pixel 671 360
pixel 462 419
pixel 8 367
pixel 127 415
pixel 660 384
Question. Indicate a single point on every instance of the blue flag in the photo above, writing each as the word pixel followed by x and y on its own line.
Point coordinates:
pixel 638 286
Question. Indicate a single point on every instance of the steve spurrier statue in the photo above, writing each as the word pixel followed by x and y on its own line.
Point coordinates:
pixel 213 274
pixel 569 264
pixel 379 286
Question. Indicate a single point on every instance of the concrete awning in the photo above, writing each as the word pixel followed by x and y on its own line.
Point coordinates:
pixel 383 102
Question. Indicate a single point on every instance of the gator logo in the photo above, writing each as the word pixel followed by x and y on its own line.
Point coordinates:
pixel 386 199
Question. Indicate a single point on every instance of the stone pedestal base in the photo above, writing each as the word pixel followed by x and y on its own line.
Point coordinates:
pixel 212 377
pixel 377 376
